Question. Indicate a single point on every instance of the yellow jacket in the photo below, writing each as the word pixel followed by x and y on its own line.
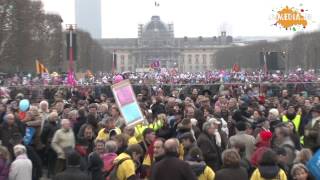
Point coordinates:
pixel 127 168
pixel 207 174
pixel 132 140
pixel 257 176
pixel 103 135
pixel 296 121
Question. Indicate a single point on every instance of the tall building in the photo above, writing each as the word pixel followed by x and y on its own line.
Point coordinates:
pixel 88 17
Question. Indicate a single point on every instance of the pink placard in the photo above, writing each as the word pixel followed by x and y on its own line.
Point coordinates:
pixel 125 95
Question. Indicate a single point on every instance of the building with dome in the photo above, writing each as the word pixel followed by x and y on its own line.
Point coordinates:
pixel 156 43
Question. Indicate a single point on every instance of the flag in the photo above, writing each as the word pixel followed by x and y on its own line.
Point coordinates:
pixel 236 68
pixel 155 64
pixel 71 79
pixel 41 68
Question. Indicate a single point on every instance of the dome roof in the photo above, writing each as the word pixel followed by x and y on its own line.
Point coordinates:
pixel 155 25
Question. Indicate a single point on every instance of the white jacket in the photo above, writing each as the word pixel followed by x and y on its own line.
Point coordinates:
pixel 21 168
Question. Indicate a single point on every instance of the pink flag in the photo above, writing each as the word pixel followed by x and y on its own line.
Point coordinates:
pixel 155 64
pixel 71 79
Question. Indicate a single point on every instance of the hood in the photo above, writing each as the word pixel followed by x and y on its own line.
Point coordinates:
pixel 269 172
pixel 197 167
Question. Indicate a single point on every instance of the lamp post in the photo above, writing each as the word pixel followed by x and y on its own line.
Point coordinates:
pixel 70 43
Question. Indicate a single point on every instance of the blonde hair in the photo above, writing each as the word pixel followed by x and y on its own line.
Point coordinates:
pixel 4 153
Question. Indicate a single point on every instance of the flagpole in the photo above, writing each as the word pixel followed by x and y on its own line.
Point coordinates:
pixel 71 79
pixel 113 62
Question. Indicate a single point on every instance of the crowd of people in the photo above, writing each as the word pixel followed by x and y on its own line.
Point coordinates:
pixel 200 135
pixel 165 77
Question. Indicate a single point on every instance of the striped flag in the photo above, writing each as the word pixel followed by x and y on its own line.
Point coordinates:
pixel 41 68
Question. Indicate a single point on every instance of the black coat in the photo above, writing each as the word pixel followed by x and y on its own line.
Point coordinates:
pixel 95 165
pixel 170 168
pixel 48 131
pixel 72 173
pixel 36 162
pixel 238 173
pixel 211 152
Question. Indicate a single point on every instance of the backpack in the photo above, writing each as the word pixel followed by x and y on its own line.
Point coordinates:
pixel 112 173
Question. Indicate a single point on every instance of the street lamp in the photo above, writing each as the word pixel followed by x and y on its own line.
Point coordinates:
pixel 71 47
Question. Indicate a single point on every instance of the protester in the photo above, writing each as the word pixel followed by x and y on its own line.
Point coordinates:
pixel 227 112
pixel 72 171
pixel 21 167
pixel 312 130
pixel 127 163
pixel 198 166
pixel 208 144
pixel 4 163
pixel 301 172
pixel 268 168
pixel 63 142
pixel 231 166
pixel 171 167
pixel 244 138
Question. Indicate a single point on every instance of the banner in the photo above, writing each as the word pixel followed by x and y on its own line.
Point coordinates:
pixel 314 165
pixel 127 103
pixel 27 139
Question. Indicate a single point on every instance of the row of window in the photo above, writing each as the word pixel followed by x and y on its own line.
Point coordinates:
pixel 197 58
pixel 190 67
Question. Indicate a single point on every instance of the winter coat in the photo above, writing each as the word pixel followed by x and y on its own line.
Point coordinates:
pixel 247 140
pixel 95 166
pixel 6 135
pixel 47 133
pixel 21 168
pixel 63 140
pixel 36 162
pixel 202 171
pixel 229 173
pixel 268 172
pixel 312 134
pixel 210 150
pixel 4 169
pixel 108 159
pixel 171 167
pixel 72 173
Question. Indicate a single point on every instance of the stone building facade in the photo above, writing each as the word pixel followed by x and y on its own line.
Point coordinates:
pixel 156 42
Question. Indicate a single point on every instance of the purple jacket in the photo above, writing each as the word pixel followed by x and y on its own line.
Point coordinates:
pixel 4 169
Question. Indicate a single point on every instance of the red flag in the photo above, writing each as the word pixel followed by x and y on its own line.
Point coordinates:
pixel 236 68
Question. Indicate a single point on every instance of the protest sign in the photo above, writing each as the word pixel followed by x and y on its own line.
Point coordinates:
pixel 127 103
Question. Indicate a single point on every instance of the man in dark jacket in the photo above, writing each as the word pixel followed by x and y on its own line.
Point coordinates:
pixel 208 146
pixel 50 127
pixel 188 142
pixel 312 130
pixel 73 171
pixel 171 167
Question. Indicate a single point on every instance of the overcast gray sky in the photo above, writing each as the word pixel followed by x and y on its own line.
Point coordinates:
pixel 120 18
